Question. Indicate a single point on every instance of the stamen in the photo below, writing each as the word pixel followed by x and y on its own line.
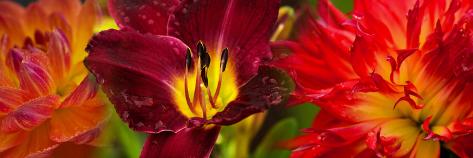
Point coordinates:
pixel 188 66
pixel 202 105
pixel 223 65
pixel 204 63
pixel 224 59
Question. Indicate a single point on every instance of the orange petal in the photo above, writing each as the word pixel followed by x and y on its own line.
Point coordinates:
pixel 74 121
pixel 10 140
pixel 88 17
pixel 29 115
pixel 10 98
pixel 59 55
pixel 85 91
pixel 58 21
pixel 80 151
pixel 13 27
pixel 30 70
pixel 11 9
pixel 69 8
pixel 36 19
pixel 34 145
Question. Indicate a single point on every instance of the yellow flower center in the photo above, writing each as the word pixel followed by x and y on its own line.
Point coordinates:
pixel 208 87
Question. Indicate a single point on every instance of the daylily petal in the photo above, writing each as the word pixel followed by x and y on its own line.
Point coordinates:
pixel 271 87
pixel 135 71
pixel 245 29
pixel 145 16
pixel 31 114
pixel 190 142
pixel 71 122
pixel 86 90
pixel 34 145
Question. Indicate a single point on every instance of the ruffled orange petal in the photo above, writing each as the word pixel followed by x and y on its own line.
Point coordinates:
pixel 10 140
pixel 85 91
pixel 86 20
pixel 12 27
pixel 35 19
pixel 59 56
pixel 68 123
pixel 30 115
pixel 31 71
pixel 11 9
pixel 70 8
pixel 36 144
pixel 10 99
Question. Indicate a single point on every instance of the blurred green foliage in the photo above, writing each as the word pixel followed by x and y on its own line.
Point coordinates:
pixel 344 5
pixel 283 130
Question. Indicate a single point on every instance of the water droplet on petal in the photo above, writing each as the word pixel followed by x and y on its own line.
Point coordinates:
pixel 140 124
pixel 150 21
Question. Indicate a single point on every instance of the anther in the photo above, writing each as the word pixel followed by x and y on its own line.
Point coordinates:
pixel 223 65
pixel 224 59
pixel 201 48
pixel 188 59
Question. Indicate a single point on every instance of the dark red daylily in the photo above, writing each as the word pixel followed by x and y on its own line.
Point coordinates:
pixel 179 70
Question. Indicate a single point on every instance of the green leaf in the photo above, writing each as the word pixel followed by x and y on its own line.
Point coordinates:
pixel 283 130
pixel 304 114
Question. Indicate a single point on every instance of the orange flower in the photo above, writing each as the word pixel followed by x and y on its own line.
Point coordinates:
pixel 393 81
pixel 46 96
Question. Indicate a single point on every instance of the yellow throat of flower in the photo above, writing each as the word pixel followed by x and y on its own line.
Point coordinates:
pixel 207 87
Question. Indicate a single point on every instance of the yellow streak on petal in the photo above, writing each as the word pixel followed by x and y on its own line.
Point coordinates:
pixel 425 148
pixel 374 106
pixel 404 129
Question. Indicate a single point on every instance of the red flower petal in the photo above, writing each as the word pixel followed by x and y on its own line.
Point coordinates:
pixel 242 26
pixel 384 18
pixel 145 16
pixel 363 56
pixel 190 142
pixel 462 146
pixel 31 114
pixel 135 71
pixel 271 87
